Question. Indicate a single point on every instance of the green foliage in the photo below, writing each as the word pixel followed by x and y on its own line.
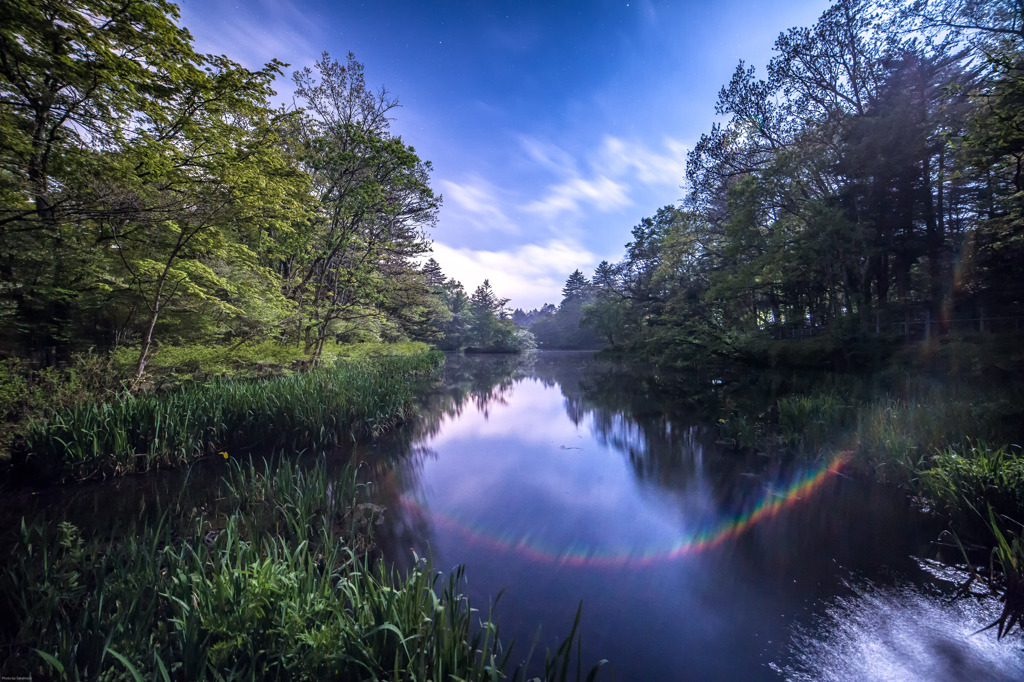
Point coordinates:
pixel 811 423
pixel 27 395
pixel 865 194
pixel 346 401
pixel 372 203
pixel 967 481
pixel 488 313
pixel 982 489
pixel 147 175
pixel 894 421
pixel 267 581
pixel 569 326
pixel 171 365
pixel 478 323
pixel 150 195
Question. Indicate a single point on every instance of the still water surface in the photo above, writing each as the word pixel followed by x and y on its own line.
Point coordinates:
pixel 555 480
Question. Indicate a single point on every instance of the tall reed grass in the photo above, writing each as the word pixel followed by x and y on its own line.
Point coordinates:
pixel 981 489
pixel 970 482
pixel 315 409
pixel 261 584
pixel 900 435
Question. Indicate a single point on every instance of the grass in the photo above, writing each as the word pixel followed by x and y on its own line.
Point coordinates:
pixel 30 394
pixel 811 422
pixel 981 489
pixel 933 437
pixel 265 582
pixel 895 431
pixel 899 435
pixel 314 409
pixel 975 484
pixel 172 365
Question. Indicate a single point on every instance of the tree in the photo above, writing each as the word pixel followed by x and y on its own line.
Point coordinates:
pixel 373 202
pixel 456 330
pixel 576 287
pixel 73 74
pixel 562 328
pixel 74 77
pixel 132 170
pixel 196 171
pixel 487 311
pixel 432 271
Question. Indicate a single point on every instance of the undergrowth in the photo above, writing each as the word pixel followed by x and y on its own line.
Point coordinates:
pixel 33 394
pixel 314 409
pixel 264 583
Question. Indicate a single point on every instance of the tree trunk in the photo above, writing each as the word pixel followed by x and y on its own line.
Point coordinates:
pixel 147 341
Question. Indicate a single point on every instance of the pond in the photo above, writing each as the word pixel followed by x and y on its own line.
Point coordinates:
pixel 557 481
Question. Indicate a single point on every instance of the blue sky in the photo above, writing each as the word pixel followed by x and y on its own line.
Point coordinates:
pixel 553 127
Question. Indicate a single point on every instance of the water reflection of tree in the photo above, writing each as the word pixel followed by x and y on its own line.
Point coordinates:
pixel 667 438
pixel 478 380
pixel 663 441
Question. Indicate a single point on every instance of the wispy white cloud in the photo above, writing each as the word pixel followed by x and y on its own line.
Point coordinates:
pixel 532 274
pixel 549 156
pixel 256 32
pixel 600 192
pixel 477 203
pixel 613 174
pixel 618 157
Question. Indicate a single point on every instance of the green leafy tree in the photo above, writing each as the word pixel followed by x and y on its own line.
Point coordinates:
pixel 372 200
pixel 137 174
pixel 488 312
pixel 74 78
pixel 456 330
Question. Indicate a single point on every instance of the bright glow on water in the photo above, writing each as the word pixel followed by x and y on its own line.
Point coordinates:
pixel 904 635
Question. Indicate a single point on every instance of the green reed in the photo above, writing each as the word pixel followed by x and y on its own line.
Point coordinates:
pixel 812 422
pixel 315 409
pixel 262 583
pixel 981 488
pixel 970 482
pixel 898 435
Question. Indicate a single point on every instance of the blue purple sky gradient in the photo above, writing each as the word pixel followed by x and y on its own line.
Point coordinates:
pixel 553 127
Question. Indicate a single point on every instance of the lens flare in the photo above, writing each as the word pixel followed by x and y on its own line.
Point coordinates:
pixel 713 535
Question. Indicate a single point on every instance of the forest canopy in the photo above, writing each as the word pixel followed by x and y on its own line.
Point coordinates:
pixel 150 193
pixel 870 183
pixel 867 182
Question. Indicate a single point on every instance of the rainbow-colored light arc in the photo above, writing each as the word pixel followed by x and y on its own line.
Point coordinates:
pixel 771 504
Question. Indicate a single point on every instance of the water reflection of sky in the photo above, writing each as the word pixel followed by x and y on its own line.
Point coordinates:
pixel 556 467
pixel 526 474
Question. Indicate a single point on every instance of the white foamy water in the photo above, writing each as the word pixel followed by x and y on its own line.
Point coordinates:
pixel 906 634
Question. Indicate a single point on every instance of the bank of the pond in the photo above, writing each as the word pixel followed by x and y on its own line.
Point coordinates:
pixel 347 399
pixel 941 423
pixel 273 577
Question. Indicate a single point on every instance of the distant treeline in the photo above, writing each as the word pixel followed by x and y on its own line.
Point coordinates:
pixel 870 184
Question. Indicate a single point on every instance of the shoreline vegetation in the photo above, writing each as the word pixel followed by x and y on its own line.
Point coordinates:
pixel 316 408
pixel 194 400
pixel 940 419
pixel 271 579
pixel 275 575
